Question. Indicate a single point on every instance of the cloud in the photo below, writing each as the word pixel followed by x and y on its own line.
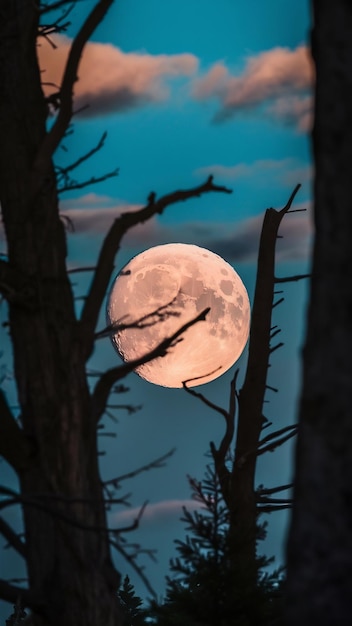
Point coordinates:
pixel 111 80
pixel 279 80
pixel 241 244
pixel 155 512
pixel 93 215
pixel 234 242
pixel 288 172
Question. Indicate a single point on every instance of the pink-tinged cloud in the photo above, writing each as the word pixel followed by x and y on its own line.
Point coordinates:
pixel 111 80
pixel 235 243
pixel 155 512
pixel 274 76
pixel 287 172
pixel 241 242
pixel 93 215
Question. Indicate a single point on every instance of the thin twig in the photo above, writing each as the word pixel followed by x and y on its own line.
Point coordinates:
pixel 156 464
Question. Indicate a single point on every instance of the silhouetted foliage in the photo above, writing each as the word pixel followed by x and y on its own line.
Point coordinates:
pixel 131 605
pixel 206 588
pixel 50 440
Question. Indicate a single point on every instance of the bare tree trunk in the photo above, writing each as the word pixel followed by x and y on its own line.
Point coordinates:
pixel 69 566
pixel 320 538
pixel 53 446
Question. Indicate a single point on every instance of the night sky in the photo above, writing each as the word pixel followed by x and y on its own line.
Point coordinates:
pixel 184 89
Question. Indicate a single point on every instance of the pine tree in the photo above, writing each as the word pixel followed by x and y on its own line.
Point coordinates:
pixel 201 590
pixel 131 605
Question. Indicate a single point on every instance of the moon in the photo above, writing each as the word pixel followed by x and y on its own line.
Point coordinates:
pixel 185 279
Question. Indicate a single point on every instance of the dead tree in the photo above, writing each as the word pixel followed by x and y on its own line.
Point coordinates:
pixel 246 411
pixel 52 445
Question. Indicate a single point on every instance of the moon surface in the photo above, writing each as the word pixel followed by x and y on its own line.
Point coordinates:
pixel 185 279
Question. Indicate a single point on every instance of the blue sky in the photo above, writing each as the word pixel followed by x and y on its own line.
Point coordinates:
pixel 185 89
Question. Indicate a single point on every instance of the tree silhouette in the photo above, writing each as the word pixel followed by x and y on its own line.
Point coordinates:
pixel 206 587
pixel 52 443
pixel 245 419
pixel 320 539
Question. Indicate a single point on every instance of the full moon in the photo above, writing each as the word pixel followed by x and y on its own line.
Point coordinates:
pixel 179 281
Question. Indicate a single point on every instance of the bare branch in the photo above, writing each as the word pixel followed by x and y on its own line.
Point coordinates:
pixel 87 183
pixel 75 270
pixel 42 162
pixel 272 490
pixel 265 500
pixel 290 279
pixel 117 545
pixel 200 396
pixel 251 396
pixel 287 207
pixel 276 347
pixel 160 314
pixel 270 508
pixel 63 171
pixel 156 464
pixel 11 593
pixel 111 245
pixel 272 446
pixel 220 455
pixel 135 524
pixel 110 377
pixel 279 301
pixel 277 433
pixel 12 538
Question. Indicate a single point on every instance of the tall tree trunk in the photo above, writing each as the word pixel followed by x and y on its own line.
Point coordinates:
pixel 68 557
pixel 320 538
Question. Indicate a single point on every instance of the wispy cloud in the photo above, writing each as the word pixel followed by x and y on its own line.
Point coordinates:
pixel 277 81
pixel 111 80
pixel 236 243
pixel 285 171
pixel 155 512
pixel 92 214
pixel 241 244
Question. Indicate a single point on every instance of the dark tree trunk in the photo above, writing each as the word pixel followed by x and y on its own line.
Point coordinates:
pixel 320 538
pixel 53 448
pixel 68 566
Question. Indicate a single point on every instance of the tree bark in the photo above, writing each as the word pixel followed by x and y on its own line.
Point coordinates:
pixel 319 586
pixel 67 548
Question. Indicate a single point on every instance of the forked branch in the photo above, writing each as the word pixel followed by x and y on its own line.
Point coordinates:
pixel 42 162
pixel 110 377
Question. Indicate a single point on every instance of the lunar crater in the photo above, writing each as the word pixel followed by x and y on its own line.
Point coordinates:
pixel 181 279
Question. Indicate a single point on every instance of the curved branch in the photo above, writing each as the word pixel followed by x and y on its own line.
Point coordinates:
pixel 110 377
pixel 11 593
pixel 111 245
pixel 12 538
pixel 156 464
pixel 52 139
